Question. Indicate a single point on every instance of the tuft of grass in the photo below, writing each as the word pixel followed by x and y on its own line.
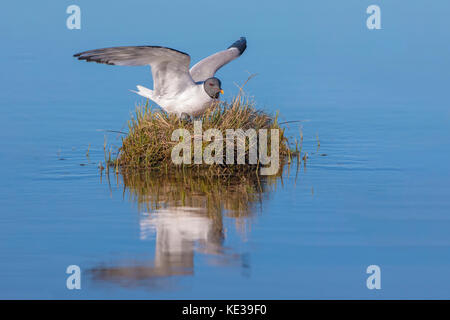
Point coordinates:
pixel 148 144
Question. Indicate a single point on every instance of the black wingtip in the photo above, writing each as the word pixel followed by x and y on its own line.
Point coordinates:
pixel 241 45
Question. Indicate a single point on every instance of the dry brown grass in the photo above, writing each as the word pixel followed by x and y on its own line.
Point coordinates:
pixel 148 144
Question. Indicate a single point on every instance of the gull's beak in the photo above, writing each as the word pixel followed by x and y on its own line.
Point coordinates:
pixel 221 91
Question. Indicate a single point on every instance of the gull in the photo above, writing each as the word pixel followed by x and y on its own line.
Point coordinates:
pixel 176 88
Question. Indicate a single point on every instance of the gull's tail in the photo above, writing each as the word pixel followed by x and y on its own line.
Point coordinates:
pixel 143 91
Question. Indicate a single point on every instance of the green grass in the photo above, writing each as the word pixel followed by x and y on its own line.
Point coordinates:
pixel 148 143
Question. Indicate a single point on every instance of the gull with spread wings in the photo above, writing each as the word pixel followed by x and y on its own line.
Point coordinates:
pixel 176 88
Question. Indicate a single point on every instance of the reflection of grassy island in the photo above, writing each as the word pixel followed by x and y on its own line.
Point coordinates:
pixel 184 213
pixel 151 141
pixel 233 195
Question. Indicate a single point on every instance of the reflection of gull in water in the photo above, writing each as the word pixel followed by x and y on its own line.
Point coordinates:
pixel 183 222
pixel 178 231
pixel 184 217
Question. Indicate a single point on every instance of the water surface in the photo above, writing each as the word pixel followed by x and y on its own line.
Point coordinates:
pixel 375 192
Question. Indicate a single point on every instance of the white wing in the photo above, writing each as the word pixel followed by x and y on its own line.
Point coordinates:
pixel 170 67
pixel 207 67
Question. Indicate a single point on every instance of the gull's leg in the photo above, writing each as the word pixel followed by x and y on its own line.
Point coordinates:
pixel 186 117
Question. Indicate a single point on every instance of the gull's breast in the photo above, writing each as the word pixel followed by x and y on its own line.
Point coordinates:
pixel 193 101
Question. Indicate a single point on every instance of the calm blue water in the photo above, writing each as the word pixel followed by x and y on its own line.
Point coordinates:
pixel 377 100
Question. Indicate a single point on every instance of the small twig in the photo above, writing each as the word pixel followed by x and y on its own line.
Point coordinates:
pixel 293 121
pixel 248 79
pixel 114 131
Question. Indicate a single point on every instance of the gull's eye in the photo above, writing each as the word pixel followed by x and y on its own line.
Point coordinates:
pixel 210 84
